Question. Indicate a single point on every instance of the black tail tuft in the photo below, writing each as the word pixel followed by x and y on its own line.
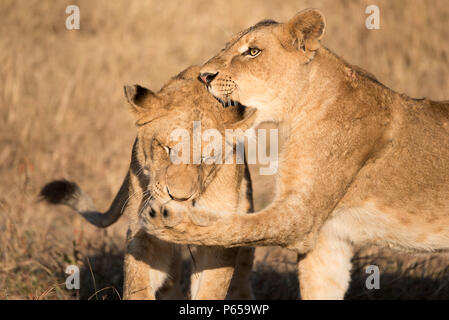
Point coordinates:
pixel 59 191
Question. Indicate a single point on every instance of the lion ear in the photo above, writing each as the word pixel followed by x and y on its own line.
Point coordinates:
pixel 305 30
pixel 143 102
pixel 138 97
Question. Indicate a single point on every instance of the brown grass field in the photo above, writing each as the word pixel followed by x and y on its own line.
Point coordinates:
pixel 63 115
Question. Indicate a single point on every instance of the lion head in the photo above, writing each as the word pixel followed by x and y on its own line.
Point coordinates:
pixel 261 64
pixel 181 106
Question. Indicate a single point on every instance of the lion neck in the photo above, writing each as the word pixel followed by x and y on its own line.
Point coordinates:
pixel 326 81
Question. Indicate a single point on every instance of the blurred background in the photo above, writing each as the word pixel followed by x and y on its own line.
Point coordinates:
pixel 63 115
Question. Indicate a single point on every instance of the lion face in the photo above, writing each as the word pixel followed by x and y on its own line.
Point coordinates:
pixel 168 180
pixel 168 162
pixel 259 66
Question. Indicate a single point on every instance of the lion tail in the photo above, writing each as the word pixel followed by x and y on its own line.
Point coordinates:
pixel 70 194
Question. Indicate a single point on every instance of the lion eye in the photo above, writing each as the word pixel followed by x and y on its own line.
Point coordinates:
pixel 254 52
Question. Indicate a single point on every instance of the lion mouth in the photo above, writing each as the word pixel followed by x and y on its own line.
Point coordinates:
pixel 225 99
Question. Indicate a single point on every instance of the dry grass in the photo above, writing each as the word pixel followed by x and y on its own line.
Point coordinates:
pixel 63 115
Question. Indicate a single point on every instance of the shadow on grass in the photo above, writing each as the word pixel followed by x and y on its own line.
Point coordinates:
pixel 101 277
pixel 105 281
pixel 272 285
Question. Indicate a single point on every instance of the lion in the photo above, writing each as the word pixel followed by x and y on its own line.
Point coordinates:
pixel 361 163
pixel 152 264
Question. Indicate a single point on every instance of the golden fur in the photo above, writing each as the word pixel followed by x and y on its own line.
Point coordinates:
pixel 151 264
pixel 361 163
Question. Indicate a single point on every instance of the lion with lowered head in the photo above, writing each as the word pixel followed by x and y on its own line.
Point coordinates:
pixel 361 164
pixel 152 265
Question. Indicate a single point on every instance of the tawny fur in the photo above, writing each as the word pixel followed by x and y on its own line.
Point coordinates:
pixel 152 265
pixel 361 164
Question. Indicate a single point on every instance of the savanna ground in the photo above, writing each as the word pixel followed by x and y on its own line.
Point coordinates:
pixel 63 115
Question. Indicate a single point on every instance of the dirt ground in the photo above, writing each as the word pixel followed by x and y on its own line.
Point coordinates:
pixel 63 115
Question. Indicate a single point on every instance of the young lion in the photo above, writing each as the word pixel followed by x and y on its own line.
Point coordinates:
pixel 154 178
pixel 361 164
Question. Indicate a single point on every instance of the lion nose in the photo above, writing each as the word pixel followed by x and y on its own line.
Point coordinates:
pixel 207 77
pixel 181 185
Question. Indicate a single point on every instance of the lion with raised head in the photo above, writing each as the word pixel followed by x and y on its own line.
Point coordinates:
pixel 153 178
pixel 361 164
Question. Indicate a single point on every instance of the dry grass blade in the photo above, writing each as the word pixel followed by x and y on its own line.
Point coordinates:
pixel 98 291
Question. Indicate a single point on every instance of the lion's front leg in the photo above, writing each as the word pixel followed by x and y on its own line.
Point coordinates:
pixel 228 230
pixel 213 268
pixel 324 272
pixel 150 265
